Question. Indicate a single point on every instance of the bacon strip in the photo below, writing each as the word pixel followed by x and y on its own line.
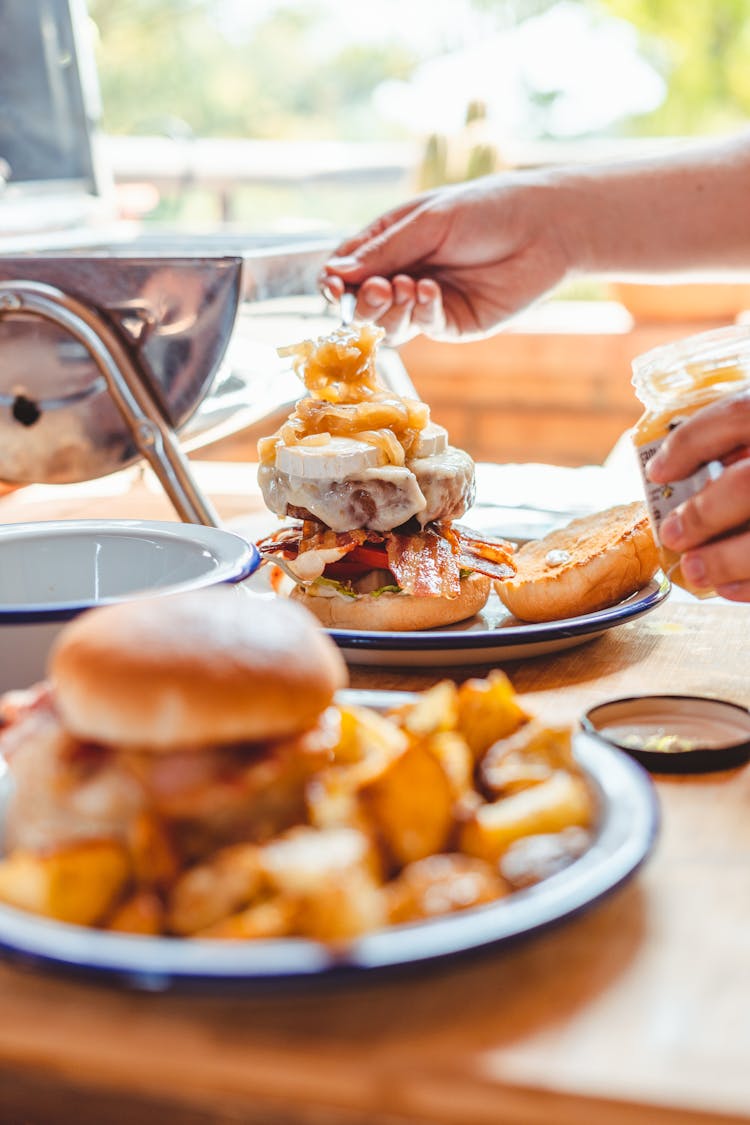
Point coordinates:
pixel 326 540
pixel 285 541
pixel 490 556
pixel 424 564
pixel 293 541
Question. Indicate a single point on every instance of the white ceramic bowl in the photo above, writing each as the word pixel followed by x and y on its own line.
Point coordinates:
pixel 51 572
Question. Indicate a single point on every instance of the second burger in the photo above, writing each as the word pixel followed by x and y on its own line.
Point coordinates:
pixel 374 488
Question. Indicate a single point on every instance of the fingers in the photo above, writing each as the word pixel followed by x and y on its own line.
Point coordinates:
pixel 710 532
pixel 722 566
pixel 719 508
pixel 402 306
pixel 378 299
pixel 375 298
pixel 397 318
pixel 735 591
pixel 331 287
pixel 711 434
pixel 429 313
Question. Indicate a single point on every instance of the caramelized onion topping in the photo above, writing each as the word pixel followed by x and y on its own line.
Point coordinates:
pixel 347 399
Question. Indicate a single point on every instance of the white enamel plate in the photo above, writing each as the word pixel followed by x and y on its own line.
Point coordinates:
pixel 626 829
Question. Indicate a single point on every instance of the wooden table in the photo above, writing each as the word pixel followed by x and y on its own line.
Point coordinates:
pixel 636 1012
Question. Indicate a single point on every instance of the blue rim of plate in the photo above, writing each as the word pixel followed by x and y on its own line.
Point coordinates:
pixel 229 572
pixel 652 595
pixel 627 829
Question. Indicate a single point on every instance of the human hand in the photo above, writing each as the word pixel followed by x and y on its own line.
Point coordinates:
pixel 713 527
pixel 456 261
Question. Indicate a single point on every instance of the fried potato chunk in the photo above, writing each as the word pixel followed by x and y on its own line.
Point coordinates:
pixel 410 805
pixel 269 918
pixel 563 800
pixel 487 711
pixel 533 858
pixel 328 875
pixel 450 750
pixel 372 744
pixel 433 710
pixel 78 884
pixel 365 733
pixel 140 913
pixel 527 757
pixel 153 853
pixel 229 880
pixel 442 884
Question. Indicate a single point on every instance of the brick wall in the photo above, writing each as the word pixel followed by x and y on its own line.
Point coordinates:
pixel 537 393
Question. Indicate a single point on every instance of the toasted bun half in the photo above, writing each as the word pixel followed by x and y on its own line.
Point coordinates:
pixel 610 555
pixel 396 612
pixel 192 670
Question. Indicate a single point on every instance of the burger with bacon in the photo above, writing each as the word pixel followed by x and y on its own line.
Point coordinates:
pixel 373 489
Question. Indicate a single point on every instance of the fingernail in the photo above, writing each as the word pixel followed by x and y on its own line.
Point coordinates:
pixel 341 265
pixel 693 569
pixel 672 530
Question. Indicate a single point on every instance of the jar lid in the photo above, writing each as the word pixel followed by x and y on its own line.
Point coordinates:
pixel 674 733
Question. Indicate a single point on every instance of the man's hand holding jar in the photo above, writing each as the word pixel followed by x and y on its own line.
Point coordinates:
pixel 711 530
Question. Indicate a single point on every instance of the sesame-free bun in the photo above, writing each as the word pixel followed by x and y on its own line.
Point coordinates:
pixel 192 670
pixel 396 612
pixel 611 554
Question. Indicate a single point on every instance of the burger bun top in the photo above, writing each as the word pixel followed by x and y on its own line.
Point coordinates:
pixel 204 668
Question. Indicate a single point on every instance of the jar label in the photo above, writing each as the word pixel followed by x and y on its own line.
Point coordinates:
pixel 662 498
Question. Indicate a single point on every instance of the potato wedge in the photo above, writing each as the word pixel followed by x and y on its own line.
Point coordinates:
pixel 153 854
pixel 528 756
pixel 533 858
pixel 269 918
pixel 211 891
pixel 410 806
pixel 559 802
pixel 449 748
pixel 140 913
pixel 332 795
pixel 364 733
pixel 488 710
pixel 434 710
pixel 442 884
pixel 328 876
pixel 78 883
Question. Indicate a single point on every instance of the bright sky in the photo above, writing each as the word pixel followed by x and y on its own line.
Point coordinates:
pixel 426 26
pixel 567 72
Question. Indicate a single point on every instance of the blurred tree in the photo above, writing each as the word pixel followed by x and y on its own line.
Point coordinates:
pixel 702 47
pixel 166 62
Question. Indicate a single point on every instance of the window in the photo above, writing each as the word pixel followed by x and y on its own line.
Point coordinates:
pixel 340 114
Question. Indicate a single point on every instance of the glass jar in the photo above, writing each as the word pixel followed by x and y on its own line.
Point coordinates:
pixel 673 382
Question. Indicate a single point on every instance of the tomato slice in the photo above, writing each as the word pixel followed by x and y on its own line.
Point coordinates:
pixel 370 556
pixel 358 562
pixel 343 571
